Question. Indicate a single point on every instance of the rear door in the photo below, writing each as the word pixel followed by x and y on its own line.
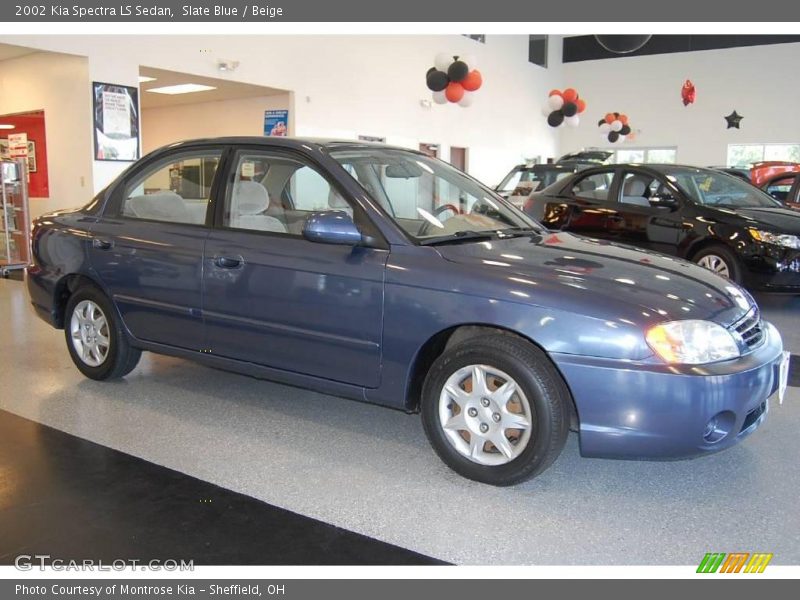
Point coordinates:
pixel 273 298
pixel 582 207
pixel 147 248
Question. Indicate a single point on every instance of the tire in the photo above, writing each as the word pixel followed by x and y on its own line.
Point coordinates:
pixel 103 352
pixel 541 395
pixel 720 260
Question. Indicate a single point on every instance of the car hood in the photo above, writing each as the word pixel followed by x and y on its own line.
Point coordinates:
pixel 603 278
pixel 784 220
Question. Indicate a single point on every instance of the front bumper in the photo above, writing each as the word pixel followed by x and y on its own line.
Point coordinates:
pixel 773 268
pixel 644 410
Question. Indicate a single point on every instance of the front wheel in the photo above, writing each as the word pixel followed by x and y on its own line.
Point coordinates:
pixel 96 342
pixel 495 409
pixel 721 261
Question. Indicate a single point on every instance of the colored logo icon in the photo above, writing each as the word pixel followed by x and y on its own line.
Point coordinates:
pixel 735 562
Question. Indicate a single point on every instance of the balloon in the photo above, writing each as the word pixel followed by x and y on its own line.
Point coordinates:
pixel 466 100
pixel 555 119
pixel 616 125
pixel 473 81
pixel 613 136
pixel 581 105
pixel 436 80
pixel 570 109
pixel 454 92
pixel 472 62
pixel 609 117
pixel 555 102
pixel 458 71
pixel 688 92
pixel 621 138
pixel 546 110
pixel 573 121
pixel 443 61
pixel 439 97
pixel 626 129
pixel 605 128
pixel 623 119
pixel 570 95
pixel 554 93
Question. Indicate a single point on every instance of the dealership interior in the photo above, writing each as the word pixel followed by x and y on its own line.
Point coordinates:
pixel 182 459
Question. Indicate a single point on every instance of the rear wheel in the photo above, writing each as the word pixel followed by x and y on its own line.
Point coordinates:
pixel 96 342
pixel 721 261
pixel 495 409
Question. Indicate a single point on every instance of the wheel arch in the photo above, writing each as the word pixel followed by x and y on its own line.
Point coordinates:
pixel 63 290
pixel 447 338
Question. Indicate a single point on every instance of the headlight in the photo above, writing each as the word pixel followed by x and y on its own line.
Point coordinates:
pixel 779 239
pixel 692 342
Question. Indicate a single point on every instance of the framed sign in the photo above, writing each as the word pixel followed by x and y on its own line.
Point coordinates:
pixel 276 123
pixel 116 121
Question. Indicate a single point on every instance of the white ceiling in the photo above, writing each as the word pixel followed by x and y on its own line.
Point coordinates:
pixel 226 89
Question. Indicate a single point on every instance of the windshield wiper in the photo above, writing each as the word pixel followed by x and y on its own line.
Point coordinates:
pixel 458 237
pixel 518 231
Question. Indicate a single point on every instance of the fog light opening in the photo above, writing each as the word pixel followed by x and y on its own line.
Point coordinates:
pixel 719 426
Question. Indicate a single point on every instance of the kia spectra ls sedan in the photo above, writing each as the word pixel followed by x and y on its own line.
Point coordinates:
pixel 383 275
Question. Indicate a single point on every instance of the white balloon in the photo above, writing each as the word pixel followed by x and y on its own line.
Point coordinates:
pixel 616 125
pixel 605 128
pixel 555 102
pixel 443 61
pixel 546 110
pixel 471 61
pixel 572 121
pixel 466 99
pixel 439 97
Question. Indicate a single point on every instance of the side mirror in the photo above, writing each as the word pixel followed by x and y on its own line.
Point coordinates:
pixel 331 227
pixel 664 200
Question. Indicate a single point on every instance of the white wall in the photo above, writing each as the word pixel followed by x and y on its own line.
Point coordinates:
pixel 245 116
pixel 759 82
pixel 57 84
pixel 350 85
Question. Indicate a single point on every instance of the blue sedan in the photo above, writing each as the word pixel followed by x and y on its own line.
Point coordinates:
pixel 383 275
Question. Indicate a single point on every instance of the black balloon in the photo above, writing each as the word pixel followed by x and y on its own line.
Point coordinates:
pixel 622 44
pixel 569 109
pixel 613 136
pixel 429 71
pixel 458 71
pixel 555 118
pixel 600 122
pixel 437 80
pixel 626 129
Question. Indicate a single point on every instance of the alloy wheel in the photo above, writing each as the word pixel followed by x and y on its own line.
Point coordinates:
pixel 89 333
pixel 715 263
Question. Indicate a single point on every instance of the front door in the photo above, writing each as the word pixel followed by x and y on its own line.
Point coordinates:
pixel 275 299
pixel 147 248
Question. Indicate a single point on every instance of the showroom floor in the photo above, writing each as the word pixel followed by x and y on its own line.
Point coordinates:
pixel 370 471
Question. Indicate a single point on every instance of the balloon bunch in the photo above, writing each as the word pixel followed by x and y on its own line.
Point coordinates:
pixel 453 79
pixel 563 107
pixel 615 126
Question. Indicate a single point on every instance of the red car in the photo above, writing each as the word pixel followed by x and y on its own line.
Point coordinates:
pixel 763 172
pixel 785 187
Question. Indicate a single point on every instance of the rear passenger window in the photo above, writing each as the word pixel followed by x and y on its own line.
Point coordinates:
pixel 277 193
pixel 593 187
pixel 174 190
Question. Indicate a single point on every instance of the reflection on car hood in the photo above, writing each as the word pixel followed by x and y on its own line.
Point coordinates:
pixel 783 219
pixel 590 276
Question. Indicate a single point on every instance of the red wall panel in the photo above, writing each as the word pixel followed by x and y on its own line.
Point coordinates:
pixel 32 123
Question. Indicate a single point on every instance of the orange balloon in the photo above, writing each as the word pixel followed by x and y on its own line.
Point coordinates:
pixel 554 93
pixel 570 95
pixel 454 92
pixel 581 105
pixel 610 118
pixel 473 81
pixel 623 119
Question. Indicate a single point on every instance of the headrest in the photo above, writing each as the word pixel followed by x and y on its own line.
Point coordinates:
pixel 164 205
pixel 249 198
pixel 587 185
pixel 634 187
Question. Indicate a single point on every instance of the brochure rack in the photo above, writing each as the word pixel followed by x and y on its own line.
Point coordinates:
pixel 15 228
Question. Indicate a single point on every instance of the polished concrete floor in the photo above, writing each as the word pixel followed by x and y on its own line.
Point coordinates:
pixel 369 470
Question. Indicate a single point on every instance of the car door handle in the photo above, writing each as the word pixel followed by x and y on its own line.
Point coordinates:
pixel 229 262
pixel 101 244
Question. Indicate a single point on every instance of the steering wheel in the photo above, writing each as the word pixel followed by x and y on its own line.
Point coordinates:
pixel 426 225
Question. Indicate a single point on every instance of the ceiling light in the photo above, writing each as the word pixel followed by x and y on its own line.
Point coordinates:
pixel 183 88
pixel 145 79
pixel 7 126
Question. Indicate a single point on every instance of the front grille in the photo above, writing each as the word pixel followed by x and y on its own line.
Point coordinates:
pixel 750 328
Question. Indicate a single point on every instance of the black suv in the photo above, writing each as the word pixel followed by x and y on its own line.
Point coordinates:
pixel 703 215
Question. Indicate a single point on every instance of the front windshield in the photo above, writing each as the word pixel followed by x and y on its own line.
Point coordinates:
pixel 428 198
pixel 715 188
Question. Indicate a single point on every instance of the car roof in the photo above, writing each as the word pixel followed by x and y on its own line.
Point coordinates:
pixel 287 142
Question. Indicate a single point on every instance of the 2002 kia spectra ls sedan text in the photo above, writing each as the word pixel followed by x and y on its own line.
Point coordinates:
pixel 383 275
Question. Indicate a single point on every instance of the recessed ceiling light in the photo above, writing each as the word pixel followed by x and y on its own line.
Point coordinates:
pixel 7 126
pixel 145 78
pixel 183 88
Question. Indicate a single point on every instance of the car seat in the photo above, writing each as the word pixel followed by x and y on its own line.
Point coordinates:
pixel 635 192
pixel 249 200
pixel 164 205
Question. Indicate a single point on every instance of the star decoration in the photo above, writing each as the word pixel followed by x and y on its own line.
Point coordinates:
pixel 733 120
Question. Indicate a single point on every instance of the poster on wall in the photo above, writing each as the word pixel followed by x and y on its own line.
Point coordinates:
pixel 276 123
pixel 116 122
